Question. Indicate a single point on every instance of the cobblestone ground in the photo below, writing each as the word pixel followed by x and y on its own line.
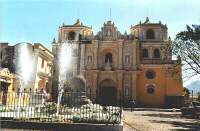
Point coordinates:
pixel 158 121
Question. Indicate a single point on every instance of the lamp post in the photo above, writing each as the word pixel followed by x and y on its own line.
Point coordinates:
pixel 79 54
pixel 192 95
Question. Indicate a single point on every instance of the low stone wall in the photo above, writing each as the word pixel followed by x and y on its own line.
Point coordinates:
pixel 60 126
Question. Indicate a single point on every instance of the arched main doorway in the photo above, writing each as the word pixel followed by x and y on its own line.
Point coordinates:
pixel 107 91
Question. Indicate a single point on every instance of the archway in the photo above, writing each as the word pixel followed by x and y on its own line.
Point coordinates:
pixel 107 91
pixel 150 34
pixel 156 53
pixel 144 53
pixel 71 35
pixel 108 57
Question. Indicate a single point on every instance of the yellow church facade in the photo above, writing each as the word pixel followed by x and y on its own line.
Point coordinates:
pixel 131 64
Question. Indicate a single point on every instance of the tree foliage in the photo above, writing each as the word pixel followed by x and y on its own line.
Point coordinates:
pixel 198 97
pixel 186 48
pixel 186 93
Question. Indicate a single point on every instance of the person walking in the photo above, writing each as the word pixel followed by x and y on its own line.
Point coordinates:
pixel 132 103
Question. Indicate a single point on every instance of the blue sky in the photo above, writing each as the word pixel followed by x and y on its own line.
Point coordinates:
pixel 38 21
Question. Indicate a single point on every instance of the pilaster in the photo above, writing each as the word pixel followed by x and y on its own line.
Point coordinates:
pixel 151 52
pixel 134 53
pixel 82 56
pixel 95 82
pixel 120 67
pixel 96 45
pixel 134 86
pixel 120 74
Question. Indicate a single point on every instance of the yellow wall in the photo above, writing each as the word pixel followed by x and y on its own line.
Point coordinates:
pixel 163 86
pixel 174 86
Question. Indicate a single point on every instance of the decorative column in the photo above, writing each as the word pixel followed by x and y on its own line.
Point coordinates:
pixel 162 53
pixel 63 35
pixel 134 53
pixel 82 56
pixel 140 34
pixel 143 33
pixel 95 54
pixel 95 82
pixel 134 86
pixel 163 34
pixel 120 54
pixel 166 35
pixel 160 34
pixel 119 81
pixel 151 52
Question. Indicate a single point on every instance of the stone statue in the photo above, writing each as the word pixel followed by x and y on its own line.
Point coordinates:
pixel 127 59
pixel 89 59
pixel 54 40
pixel 108 67
pixel 108 63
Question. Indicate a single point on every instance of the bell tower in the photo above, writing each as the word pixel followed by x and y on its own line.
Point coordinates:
pixel 148 31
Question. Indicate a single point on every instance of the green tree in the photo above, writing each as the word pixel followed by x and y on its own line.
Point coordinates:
pixel 186 93
pixel 198 98
pixel 186 47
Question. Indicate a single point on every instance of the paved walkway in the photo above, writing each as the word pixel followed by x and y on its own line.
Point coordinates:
pixel 158 121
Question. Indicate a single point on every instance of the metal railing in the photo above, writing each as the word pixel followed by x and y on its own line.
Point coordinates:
pixel 74 108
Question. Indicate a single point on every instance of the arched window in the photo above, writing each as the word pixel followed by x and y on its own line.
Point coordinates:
pixel 156 53
pixel 109 32
pixel 71 35
pixel 145 53
pixel 150 89
pixel 108 57
pixel 150 34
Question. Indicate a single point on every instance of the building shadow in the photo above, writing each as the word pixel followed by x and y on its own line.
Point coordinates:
pixel 190 126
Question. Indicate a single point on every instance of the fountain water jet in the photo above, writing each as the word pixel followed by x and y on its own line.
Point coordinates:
pixel 24 67
pixel 65 57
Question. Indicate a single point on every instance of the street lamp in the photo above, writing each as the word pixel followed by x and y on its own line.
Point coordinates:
pixel 79 54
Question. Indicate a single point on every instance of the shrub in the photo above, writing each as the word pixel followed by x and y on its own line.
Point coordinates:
pixel 198 98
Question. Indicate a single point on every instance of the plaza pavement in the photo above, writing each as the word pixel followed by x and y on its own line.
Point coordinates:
pixel 153 119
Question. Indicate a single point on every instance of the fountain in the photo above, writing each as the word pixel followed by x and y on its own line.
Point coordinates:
pixel 24 67
pixel 65 57
pixel 79 107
